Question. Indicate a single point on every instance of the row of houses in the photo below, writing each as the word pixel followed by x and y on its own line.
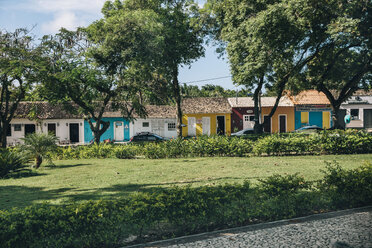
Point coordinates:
pixel 201 116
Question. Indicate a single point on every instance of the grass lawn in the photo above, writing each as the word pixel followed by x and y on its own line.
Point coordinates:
pixel 77 180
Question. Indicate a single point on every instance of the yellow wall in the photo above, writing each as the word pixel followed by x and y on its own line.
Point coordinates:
pixel 289 111
pixel 213 123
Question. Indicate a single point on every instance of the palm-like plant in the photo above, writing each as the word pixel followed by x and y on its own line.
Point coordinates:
pixel 38 147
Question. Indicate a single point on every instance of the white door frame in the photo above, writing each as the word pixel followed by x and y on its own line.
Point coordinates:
pixel 188 126
pixel 122 125
pixel 247 121
pixel 209 127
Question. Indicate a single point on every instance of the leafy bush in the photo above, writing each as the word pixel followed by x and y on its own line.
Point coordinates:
pixel 176 211
pixel 10 161
pixel 125 152
pixel 348 187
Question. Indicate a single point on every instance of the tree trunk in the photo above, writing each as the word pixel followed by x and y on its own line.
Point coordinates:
pixel 38 161
pixel 336 117
pixel 97 132
pixel 4 130
pixel 258 127
pixel 177 98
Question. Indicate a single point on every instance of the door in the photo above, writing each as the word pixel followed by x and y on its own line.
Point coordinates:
pixel 119 130
pixel 267 124
pixel 367 118
pixel 29 128
pixel 282 123
pixel 52 128
pixel 191 126
pixel 74 133
pixel 221 125
pixel 206 122
pixel 248 121
pixel 341 117
pixel 326 120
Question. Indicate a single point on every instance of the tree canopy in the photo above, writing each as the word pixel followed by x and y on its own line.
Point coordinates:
pixel 296 44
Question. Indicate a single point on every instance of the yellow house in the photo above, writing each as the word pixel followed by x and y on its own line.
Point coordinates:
pixel 206 116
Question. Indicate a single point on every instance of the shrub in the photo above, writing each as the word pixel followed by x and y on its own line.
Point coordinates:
pixel 38 146
pixel 125 152
pixel 10 161
pixel 348 187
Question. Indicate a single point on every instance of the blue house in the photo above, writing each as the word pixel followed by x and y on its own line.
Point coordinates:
pixel 118 130
pixel 312 108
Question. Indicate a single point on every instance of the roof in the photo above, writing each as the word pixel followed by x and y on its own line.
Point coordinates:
pixel 200 105
pixel 43 110
pixel 46 110
pixel 267 101
pixel 359 99
pixel 310 97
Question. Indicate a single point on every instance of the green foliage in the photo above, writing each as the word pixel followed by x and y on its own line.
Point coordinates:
pixel 10 161
pixel 283 185
pixel 348 188
pixel 125 152
pixel 327 142
pixel 178 211
pixel 38 146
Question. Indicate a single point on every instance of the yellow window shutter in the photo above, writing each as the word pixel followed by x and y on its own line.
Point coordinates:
pixel 304 117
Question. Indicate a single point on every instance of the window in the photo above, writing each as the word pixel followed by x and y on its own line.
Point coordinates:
pixel 145 124
pixel 249 118
pixel 9 131
pixel 354 114
pixel 171 126
pixel 17 127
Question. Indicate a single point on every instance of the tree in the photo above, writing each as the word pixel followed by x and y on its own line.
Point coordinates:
pixel 38 146
pixel 19 61
pixel 210 90
pixel 77 75
pixel 296 44
pixel 178 41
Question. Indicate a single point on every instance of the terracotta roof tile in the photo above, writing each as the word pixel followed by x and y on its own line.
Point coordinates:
pixel 310 97
pixel 199 105
pixel 241 102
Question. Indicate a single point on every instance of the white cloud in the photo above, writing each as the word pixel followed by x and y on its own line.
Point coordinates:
pixel 62 19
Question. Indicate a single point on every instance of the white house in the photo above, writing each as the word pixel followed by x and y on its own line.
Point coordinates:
pixel 67 127
pixel 160 120
pixel 359 107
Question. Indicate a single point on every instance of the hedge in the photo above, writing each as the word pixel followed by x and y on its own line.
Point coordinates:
pixel 326 142
pixel 177 211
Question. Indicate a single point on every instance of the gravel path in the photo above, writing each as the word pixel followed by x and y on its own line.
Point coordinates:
pixel 350 230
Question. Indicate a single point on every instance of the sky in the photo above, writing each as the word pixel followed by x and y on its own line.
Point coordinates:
pixel 48 16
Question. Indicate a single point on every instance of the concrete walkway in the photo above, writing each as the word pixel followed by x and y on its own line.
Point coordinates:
pixel 342 229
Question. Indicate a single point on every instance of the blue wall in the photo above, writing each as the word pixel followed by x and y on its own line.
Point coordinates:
pixel 109 134
pixel 315 118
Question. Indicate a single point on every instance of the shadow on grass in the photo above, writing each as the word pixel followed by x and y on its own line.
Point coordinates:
pixel 23 174
pixel 65 166
pixel 22 196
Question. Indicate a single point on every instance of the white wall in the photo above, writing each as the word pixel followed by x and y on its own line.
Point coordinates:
pixel 62 130
pixel 158 126
pixel 356 123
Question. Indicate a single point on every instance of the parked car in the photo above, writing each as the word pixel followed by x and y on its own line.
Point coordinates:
pixel 146 137
pixel 308 129
pixel 243 132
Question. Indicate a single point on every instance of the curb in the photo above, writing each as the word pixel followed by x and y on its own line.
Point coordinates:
pixel 205 235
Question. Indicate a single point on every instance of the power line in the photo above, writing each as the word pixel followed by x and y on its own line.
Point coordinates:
pixel 203 80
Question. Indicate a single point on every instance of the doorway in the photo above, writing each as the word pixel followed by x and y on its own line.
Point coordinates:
pixel 282 123
pixel 52 128
pixel 221 125
pixel 74 133
pixel 267 124
pixel 248 121
pixel 119 131
pixel 29 128
pixel 191 126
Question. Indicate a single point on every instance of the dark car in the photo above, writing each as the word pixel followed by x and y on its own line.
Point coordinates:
pixel 146 137
pixel 308 129
pixel 243 132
